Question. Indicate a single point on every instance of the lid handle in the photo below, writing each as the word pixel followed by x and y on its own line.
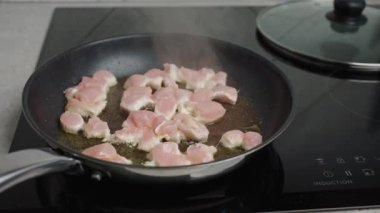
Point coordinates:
pixel 349 8
pixel 348 12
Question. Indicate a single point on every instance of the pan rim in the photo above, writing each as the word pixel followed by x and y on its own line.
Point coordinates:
pixel 55 144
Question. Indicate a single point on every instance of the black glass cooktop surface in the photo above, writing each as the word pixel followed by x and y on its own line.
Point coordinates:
pixel 328 158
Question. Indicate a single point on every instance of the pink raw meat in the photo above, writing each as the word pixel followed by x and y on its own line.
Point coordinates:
pixel 154 78
pixel 200 153
pixel 232 138
pixel 191 128
pixel 136 98
pixel 207 112
pixel 85 109
pixel 202 94
pixel 225 94
pixel 96 128
pixel 172 71
pixel 135 80
pixel 251 140
pixel 105 151
pixel 148 141
pixel 90 94
pixel 169 131
pixel 168 154
pixel 129 135
pixel 140 119
pixel 71 122
pixel 106 76
pixel 91 82
pixel 219 78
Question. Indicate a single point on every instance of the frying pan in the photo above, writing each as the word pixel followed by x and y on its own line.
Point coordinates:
pixel 43 101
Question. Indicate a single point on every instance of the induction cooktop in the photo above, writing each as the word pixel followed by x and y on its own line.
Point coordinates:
pixel 328 158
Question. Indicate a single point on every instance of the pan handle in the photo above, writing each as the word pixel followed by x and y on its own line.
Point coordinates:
pixel 19 166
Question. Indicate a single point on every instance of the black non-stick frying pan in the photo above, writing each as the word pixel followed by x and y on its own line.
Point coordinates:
pixel 258 81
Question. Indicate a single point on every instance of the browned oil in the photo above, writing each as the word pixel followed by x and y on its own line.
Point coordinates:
pixel 239 116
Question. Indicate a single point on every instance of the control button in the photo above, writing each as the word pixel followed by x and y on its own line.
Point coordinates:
pixel 328 174
pixel 320 161
pixel 360 159
pixel 348 173
pixel 340 160
pixel 368 172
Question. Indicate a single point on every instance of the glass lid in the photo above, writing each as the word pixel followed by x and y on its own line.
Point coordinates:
pixel 344 33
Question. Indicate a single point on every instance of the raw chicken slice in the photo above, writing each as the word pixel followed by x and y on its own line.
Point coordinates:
pixel 130 135
pixel 207 112
pixel 105 151
pixel 166 107
pixel 192 128
pixel 225 94
pixel 166 102
pixel 195 79
pixel 172 71
pixel 136 98
pixel 106 76
pixel 135 80
pixel 169 131
pixel 154 78
pixel 85 109
pixel 148 141
pixel 90 94
pixel 219 78
pixel 251 140
pixel 91 82
pixel 158 121
pixel 200 153
pixel 140 119
pixel 71 122
pixel 183 95
pixel 202 94
pixel 168 154
pixel 96 128
pixel 232 138
pixel 70 92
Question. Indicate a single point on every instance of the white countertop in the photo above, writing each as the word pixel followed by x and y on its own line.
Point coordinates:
pixel 23 25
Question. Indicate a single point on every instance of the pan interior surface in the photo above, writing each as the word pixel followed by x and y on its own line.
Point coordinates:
pixel 265 100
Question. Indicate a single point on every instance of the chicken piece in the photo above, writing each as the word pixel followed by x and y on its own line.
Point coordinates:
pixel 168 154
pixel 105 151
pixel 191 128
pixel 219 78
pixel 90 94
pixel 140 119
pixel 96 128
pixel 183 95
pixel 202 94
pixel 135 80
pixel 106 76
pixel 232 139
pixel 172 71
pixel 207 112
pixel 136 98
pixel 166 107
pixel 195 79
pixel 88 82
pixel 166 102
pixel 225 94
pixel 154 78
pixel 169 131
pixel 148 141
pixel 70 92
pixel 251 140
pixel 85 109
pixel 71 122
pixel 158 121
pixel 200 153
pixel 130 135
